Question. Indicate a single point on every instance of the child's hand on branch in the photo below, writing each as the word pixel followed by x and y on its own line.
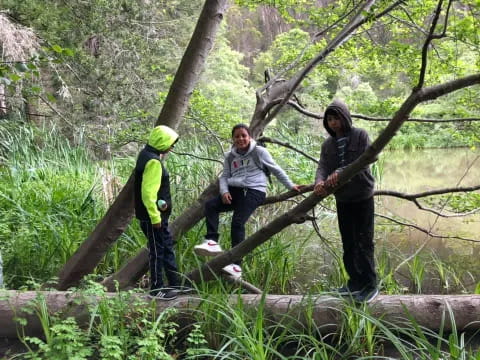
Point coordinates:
pixel 332 180
pixel 319 188
pixel 227 198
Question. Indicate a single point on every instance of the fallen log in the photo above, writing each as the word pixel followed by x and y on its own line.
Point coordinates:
pixel 324 311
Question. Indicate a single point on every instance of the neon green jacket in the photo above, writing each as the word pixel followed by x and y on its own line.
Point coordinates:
pixel 148 172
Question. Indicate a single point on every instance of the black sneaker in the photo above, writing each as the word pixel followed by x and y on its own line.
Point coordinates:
pixel 163 294
pixel 346 291
pixel 367 294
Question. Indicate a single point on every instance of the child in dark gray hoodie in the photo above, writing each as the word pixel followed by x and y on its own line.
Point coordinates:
pixel 243 186
pixel 355 205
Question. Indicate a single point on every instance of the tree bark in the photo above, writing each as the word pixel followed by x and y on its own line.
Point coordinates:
pixel 267 98
pixel 298 214
pixel 119 215
pixel 138 265
pixel 325 311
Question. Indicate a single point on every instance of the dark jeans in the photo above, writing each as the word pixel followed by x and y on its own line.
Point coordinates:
pixel 244 203
pixel 355 220
pixel 161 254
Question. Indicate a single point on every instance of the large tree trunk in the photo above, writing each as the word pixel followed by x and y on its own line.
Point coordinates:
pixel 299 213
pixel 119 215
pixel 138 265
pixel 267 98
pixel 325 311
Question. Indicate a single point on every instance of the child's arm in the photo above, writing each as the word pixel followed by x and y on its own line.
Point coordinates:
pixel 363 143
pixel 322 174
pixel 152 178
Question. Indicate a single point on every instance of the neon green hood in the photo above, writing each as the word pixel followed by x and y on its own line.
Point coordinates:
pixel 162 138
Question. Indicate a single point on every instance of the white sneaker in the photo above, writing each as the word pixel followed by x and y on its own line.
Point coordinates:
pixel 234 270
pixel 207 248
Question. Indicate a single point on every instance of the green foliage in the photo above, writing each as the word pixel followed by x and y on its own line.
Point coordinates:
pixel 40 203
pixel 123 326
pixel 111 75
pixel 66 341
pixel 224 97
pixel 120 61
pixel 196 341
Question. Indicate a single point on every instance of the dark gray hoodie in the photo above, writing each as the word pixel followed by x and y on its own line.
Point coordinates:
pixel 361 186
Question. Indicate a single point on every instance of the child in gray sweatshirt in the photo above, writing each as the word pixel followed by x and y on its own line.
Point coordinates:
pixel 243 186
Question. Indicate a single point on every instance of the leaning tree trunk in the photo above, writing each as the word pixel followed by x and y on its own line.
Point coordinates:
pixel 299 212
pixel 267 99
pixel 138 265
pixel 119 215
pixel 435 312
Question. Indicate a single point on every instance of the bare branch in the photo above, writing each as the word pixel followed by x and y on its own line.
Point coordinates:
pixel 56 111
pixel 311 114
pixel 196 156
pixel 372 118
pixel 410 24
pixel 287 195
pixel 210 131
pixel 431 36
pixel 290 87
pixel 410 197
pixel 304 111
pixel 288 146
pixel 426 193
pixel 335 24
pixel 426 231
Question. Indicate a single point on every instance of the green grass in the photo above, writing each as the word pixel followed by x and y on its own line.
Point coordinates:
pixel 127 327
pixel 51 197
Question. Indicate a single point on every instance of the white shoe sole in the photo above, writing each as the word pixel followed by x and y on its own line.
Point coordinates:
pixel 235 276
pixel 206 252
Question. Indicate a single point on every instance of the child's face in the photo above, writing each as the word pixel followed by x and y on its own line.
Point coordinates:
pixel 335 123
pixel 241 139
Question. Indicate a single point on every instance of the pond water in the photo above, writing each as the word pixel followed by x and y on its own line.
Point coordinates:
pixel 413 172
pixel 418 171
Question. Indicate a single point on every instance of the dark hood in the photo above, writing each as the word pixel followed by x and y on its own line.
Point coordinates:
pixel 339 108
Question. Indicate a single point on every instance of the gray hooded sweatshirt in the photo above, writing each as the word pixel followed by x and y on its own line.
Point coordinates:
pixel 244 173
pixel 361 186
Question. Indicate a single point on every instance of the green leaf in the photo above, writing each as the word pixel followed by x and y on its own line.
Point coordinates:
pixel 51 97
pixel 58 49
pixel 15 77
pixel 36 89
pixel 68 52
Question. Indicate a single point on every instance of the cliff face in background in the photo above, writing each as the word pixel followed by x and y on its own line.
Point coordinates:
pixel 252 31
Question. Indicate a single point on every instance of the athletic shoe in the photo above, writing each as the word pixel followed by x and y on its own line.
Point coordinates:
pixel 207 248
pixel 163 294
pixel 346 291
pixel 234 270
pixel 367 294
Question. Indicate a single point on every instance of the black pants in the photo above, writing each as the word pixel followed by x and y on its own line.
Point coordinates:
pixel 244 203
pixel 161 254
pixel 355 220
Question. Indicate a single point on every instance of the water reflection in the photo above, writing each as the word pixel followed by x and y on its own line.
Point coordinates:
pixel 423 170
pixel 413 172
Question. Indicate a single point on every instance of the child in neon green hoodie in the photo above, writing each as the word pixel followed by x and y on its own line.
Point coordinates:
pixel 152 184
